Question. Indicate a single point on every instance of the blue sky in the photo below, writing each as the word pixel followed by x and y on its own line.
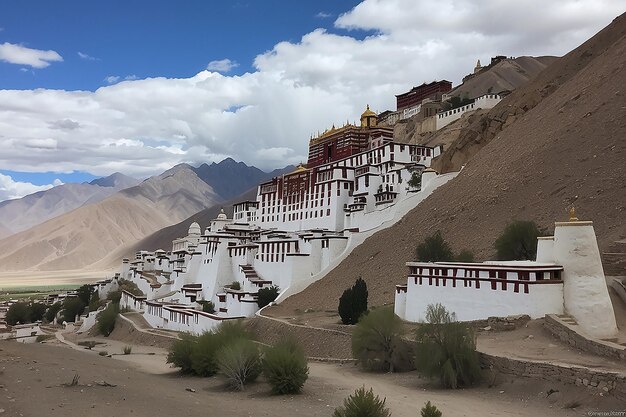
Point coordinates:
pixel 89 88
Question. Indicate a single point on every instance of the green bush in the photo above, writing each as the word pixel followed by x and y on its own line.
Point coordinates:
pixel 37 311
pixel 353 302
pixel 430 410
pixel 95 303
pixel 52 311
pixel 518 241
pixel 377 343
pixel 267 295
pixel 181 351
pixel 114 296
pixel 130 287
pixel 446 349
pixel 416 179
pixel 239 361
pixel 127 350
pixel 434 249
pixel 207 306
pixel 465 256
pixel 105 321
pixel 363 404
pixel 204 354
pixel 235 285
pixel 103 353
pixel 71 308
pixel 285 367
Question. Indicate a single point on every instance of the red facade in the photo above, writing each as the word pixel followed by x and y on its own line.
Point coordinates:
pixel 417 94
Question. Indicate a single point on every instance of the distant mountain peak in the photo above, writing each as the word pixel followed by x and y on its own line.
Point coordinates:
pixel 117 179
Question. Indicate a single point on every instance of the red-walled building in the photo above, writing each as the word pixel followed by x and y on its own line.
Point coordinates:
pixel 417 94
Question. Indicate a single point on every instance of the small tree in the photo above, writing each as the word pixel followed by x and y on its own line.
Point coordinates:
pixel 239 361
pixel 84 293
pixel 94 302
pixel 377 343
pixel 518 241
pixel 430 410
pixel 52 311
pixel 446 349
pixel 416 180
pixel 434 249
pixel 353 302
pixel 267 295
pixel 204 353
pixel 363 403
pixel 285 367
pixel 465 256
pixel 235 285
pixel 207 306
pixel 71 308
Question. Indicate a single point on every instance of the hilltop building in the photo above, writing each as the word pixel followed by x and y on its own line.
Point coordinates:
pixel 566 278
pixel 301 224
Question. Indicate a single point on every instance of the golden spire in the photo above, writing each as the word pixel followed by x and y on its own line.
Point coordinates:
pixel 572 215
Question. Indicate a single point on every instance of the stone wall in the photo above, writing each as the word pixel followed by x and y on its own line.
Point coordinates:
pixel 613 383
pixel 569 335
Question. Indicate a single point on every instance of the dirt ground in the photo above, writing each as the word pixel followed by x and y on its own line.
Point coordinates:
pixel 32 378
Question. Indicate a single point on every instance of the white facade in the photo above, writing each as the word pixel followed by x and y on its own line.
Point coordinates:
pixel 486 101
pixel 567 277
pixel 278 239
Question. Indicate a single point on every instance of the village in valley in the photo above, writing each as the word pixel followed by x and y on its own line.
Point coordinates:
pixel 428 259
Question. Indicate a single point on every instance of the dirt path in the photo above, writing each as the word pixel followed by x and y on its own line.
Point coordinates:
pixel 38 371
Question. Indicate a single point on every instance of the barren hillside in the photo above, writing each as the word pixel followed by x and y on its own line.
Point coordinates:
pixel 563 144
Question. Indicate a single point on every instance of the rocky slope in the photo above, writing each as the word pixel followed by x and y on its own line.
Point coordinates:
pixel 559 141
pixel 26 212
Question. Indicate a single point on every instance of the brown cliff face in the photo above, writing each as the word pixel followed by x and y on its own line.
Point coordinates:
pixel 556 142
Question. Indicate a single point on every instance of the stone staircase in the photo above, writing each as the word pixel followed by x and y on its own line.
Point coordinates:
pixel 252 276
pixel 614 259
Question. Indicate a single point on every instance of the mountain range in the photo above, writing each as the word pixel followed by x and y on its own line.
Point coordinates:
pixel 83 236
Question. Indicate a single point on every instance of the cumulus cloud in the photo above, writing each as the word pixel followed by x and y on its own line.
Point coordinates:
pixel 112 79
pixel 223 65
pixel 21 55
pixel 10 189
pixel 265 117
pixel 87 57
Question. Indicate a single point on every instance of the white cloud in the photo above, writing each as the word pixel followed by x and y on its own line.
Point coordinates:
pixel 323 15
pixel 87 57
pixel 223 65
pixel 112 79
pixel 21 55
pixel 10 189
pixel 265 117
pixel 57 182
pixel 130 77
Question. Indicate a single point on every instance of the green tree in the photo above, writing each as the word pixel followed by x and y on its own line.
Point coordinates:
pixel 518 241
pixel 71 308
pixel 353 302
pixel 37 311
pixel 84 293
pixel 240 362
pixel 446 349
pixel 267 295
pixel 434 249
pixel 377 342
pixel 416 180
pixel 52 311
pixel 18 313
pixel 181 351
pixel 363 404
pixel 106 319
pixel 465 256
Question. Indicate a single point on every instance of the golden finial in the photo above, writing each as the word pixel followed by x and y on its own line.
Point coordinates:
pixel 572 215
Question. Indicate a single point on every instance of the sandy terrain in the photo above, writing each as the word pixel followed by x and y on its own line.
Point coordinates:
pixel 40 370
pixel 45 278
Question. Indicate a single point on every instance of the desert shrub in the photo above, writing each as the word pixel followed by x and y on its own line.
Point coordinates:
pixel 114 296
pixel 446 349
pixel 181 351
pixel 18 313
pixel 285 367
pixel 429 410
pixel 267 295
pixel 465 256
pixel 363 404
pixel 105 321
pixel 518 241
pixel 434 249
pixel 239 361
pixel 377 342
pixel 129 286
pixel 207 306
pixel 127 350
pixel 353 302
pixel 52 311
pixel 235 285
pixel 103 353
pixel 71 308
pixel 95 303
pixel 204 354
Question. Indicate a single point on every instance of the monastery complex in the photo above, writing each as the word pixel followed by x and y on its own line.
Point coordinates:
pixel 357 181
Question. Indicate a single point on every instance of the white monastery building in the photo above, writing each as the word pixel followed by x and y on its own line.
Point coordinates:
pixel 566 278
pixel 355 182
